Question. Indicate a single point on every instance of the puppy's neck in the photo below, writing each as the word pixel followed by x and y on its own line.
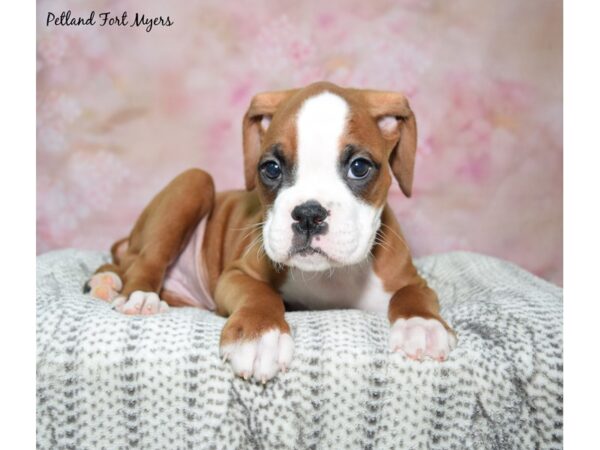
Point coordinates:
pixel 353 286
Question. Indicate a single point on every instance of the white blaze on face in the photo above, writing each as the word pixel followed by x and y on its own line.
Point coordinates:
pixel 352 223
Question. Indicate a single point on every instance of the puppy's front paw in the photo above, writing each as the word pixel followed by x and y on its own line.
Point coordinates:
pixel 103 286
pixel 418 338
pixel 140 303
pixel 259 355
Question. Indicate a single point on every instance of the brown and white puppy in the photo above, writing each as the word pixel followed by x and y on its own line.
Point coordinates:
pixel 312 229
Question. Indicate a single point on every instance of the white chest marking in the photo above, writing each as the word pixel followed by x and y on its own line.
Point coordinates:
pixel 354 286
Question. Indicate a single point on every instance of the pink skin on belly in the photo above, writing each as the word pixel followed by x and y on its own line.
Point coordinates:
pixel 186 278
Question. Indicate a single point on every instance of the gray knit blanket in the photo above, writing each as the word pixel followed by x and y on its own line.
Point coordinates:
pixel 105 380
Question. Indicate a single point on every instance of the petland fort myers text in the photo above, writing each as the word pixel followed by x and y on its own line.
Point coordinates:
pixel 107 19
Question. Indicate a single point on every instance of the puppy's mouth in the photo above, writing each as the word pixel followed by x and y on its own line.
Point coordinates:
pixel 302 245
pixel 307 250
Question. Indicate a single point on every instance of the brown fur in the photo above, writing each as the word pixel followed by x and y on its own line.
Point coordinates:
pixel 161 232
pixel 242 280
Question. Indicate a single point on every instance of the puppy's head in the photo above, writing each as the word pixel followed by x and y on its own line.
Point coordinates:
pixel 320 158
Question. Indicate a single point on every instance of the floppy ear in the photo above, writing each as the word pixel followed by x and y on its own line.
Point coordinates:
pixel 398 127
pixel 256 122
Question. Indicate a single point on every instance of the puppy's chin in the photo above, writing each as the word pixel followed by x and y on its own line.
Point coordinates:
pixel 311 263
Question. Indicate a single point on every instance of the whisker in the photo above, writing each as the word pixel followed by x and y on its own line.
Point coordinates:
pixel 260 251
pixel 250 232
pixel 384 244
pixel 256 225
pixel 254 242
pixel 396 234
pixel 248 250
pixel 380 239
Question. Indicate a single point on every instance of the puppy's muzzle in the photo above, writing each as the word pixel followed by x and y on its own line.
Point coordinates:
pixel 309 219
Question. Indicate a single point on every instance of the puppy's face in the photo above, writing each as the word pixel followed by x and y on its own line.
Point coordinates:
pixel 322 168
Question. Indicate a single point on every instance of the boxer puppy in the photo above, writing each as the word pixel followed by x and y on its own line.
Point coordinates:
pixel 312 229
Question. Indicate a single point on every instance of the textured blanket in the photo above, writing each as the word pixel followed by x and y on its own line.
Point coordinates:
pixel 105 380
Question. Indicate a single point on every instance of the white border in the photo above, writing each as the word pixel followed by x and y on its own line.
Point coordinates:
pixel 17 232
pixel 582 223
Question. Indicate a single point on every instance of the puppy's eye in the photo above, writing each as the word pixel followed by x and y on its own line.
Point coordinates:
pixel 271 170
pixel 359 169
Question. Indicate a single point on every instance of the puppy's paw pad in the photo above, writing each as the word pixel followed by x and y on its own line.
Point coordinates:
pixel 418 338
pixel 105 293
pixel 260 358
pixel 110 279
pixel 103 285
pixel 140 303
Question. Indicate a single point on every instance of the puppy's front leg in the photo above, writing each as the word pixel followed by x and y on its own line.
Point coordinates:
pixel 417 328
pixel 256 338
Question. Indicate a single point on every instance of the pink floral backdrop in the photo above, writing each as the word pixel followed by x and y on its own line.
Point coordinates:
pixel 121 111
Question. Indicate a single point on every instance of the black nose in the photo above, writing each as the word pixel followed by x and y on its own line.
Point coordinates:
pixel 310 218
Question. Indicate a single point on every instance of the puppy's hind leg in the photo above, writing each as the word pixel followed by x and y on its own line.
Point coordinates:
pixel 106 282
pixel 158 237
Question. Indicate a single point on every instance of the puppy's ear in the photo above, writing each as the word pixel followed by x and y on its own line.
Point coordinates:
pixel 398 127
pixel 256 123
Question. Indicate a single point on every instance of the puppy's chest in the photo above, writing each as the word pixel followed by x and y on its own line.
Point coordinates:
pixel 349 287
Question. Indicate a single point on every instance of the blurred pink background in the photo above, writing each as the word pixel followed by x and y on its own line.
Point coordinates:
pixel 122 111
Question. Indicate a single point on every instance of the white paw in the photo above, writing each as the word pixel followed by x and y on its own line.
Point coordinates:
pixel 418 338
pixel 140 303
pixel 260 358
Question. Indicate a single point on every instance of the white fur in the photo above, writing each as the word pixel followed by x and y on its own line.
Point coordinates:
pixel 354 286
pixel 418 338
pixel 140 303
pixel 260 358
pixel 352 223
